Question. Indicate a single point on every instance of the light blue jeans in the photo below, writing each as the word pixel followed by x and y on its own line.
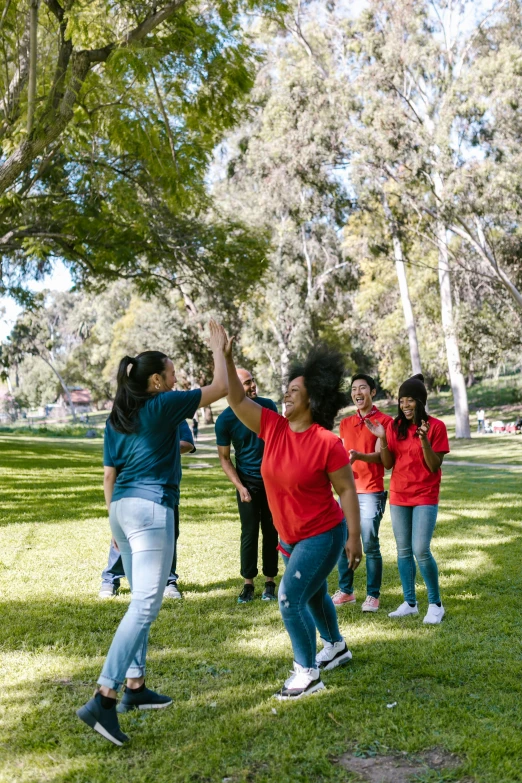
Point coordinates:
pixel 303 592
pixel 371 505
pixel 413 528
pixel 144 532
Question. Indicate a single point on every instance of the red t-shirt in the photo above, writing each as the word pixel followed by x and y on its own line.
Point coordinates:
pixel 412 482
pixel 295 471
pixel 369 477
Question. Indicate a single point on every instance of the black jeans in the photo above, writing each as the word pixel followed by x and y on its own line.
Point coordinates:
pixel 253 515
pixel 114 571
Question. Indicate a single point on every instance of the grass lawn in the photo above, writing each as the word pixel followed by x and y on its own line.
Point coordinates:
pixel 456 687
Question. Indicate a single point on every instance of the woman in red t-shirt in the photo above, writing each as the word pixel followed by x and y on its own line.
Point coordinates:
pixel 302 460
pixel 414 445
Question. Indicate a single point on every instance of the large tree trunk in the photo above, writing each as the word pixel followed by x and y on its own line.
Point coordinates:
pixel 64 386
pixel 208 417
pixel 457 380
pixel 407 309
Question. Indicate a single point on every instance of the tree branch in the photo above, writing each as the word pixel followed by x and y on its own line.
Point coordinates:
pixel 80 64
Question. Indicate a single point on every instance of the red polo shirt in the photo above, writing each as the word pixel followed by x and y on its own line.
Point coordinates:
pixel 369 477
pixel 295 472
pixel 412 482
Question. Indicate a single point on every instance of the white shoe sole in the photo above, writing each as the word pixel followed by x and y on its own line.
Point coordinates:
pixel 346 657
pixel 319 687
pixel 433 622
pixel 399 616
pixel 370 608
pixel 104 733
pixel 154 706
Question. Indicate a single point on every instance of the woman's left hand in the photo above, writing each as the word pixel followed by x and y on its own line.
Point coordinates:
pixel 422 431
pixel 354 553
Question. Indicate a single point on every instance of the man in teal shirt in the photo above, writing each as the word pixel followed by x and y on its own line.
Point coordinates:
pixel 252 502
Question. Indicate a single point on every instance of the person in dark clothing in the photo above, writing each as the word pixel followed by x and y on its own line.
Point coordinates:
pixel 254 511
pixel 195 427
pixel 113 573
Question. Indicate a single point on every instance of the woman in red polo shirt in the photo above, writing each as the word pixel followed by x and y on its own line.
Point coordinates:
pixel 414 445
pixel 302 460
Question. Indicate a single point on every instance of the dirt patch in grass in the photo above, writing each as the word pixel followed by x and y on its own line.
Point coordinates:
pixel 401 767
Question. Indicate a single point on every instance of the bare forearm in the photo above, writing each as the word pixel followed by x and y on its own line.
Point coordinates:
pixel 230 472
pixel 108 489
pixel 386 455
pixel 374 457
pixel 219 385
pixel 431 459
pixel 236 392
pixel 350 507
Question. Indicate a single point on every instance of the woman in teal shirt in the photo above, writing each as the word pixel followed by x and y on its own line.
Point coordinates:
pixel 141 485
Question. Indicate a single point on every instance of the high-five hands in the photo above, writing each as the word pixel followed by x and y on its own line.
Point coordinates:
pixel 219 339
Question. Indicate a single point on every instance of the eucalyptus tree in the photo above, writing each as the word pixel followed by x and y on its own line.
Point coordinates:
pixel 278 180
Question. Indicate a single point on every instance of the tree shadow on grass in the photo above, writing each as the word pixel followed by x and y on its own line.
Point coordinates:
pixel 222 664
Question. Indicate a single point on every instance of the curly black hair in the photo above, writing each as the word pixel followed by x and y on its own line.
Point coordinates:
pixel 323 371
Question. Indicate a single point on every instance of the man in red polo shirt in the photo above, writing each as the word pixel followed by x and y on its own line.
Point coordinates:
pixel 368 472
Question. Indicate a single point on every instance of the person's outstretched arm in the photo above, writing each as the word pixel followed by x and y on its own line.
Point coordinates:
pixel 219 386
pixel 246 410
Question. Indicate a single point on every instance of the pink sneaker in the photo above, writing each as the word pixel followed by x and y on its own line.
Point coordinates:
pixel 371 604
pixel 343 598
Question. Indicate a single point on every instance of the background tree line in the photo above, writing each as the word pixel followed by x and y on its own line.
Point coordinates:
pixel 300 172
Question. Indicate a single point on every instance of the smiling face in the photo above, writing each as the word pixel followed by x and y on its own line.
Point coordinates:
pixel 249 383
pixel 164 382
pixel 296 399
pixel 407 406
pixel 362 395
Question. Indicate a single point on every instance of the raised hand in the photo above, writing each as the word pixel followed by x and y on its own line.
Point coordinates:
pixel 376 429
pixel 229 342
pixel 218 337
pixel 422 431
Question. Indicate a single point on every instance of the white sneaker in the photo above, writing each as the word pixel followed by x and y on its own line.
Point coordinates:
pixel 172 591
pixel 434 615
pixel 404 610
pixel 333 655
pixel 303 682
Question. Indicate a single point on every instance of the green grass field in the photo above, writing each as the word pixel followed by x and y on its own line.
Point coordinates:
pixel 456 686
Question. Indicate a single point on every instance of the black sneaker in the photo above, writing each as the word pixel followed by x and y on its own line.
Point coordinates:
pixel 246 594
pixel 102 720
pixel 269 593
pixel 142 700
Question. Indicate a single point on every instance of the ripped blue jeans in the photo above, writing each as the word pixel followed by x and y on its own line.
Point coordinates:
pixel 303 592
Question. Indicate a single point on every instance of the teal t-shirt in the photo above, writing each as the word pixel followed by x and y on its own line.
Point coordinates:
pixel 248 448
pixel 147 462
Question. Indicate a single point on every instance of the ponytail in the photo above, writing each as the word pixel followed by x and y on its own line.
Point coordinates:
pixel 132 388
